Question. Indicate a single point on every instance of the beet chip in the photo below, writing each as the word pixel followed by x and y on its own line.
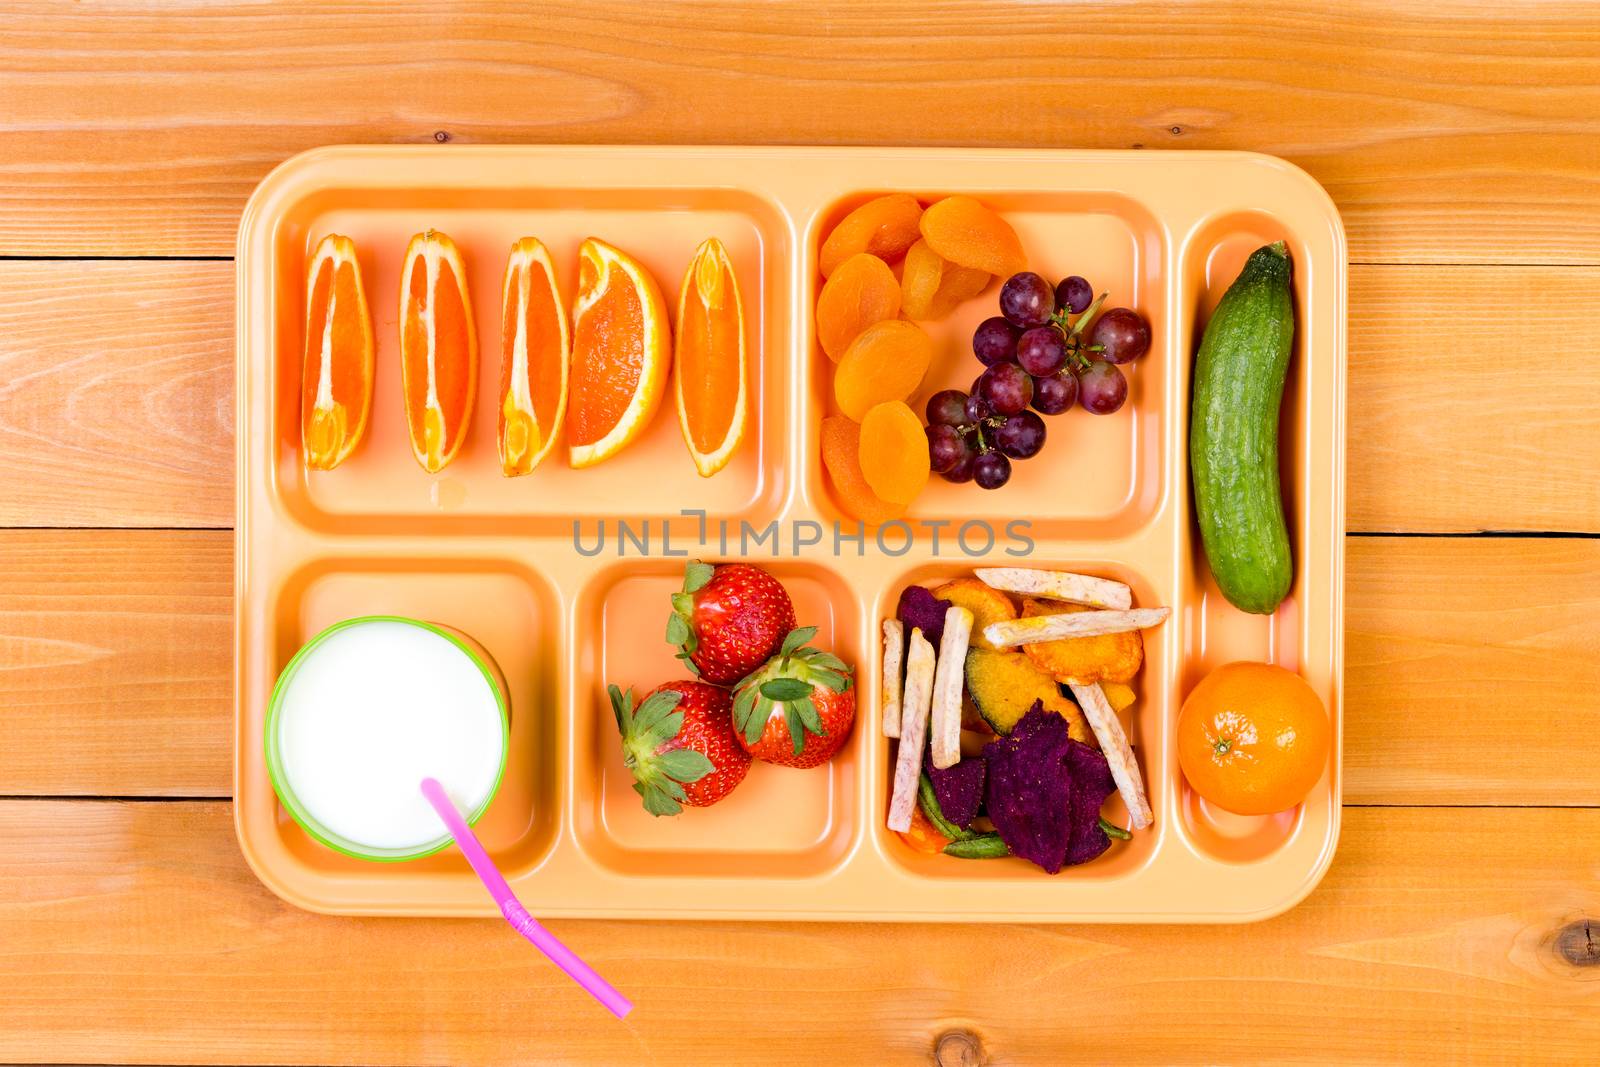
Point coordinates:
pixel 959 788
pixel 1029 793
pixel 1091 785
pixel 1044 792
pixel 920 608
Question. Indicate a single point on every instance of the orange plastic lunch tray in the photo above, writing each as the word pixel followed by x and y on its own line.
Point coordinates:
pixel 513 562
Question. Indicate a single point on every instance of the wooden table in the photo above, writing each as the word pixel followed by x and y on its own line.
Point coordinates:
pixel 1461 919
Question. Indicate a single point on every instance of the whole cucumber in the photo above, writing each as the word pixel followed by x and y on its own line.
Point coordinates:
pixel 1233 434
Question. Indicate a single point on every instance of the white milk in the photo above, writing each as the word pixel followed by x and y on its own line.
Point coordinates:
pixel 373 710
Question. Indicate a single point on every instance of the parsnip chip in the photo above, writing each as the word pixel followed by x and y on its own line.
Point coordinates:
pixel 1058 585
pixel 1119 754
pixel 916 703
pixel 894 641
pixel 1078 624
pixel 945 736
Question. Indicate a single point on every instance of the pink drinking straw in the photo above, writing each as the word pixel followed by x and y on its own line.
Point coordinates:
pixel 512 908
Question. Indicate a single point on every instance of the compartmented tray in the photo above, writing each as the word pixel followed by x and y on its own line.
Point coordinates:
pixel 496 557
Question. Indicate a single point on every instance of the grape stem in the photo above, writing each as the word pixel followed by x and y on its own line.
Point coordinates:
pixel 1073 330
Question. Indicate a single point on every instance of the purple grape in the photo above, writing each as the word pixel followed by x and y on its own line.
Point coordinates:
pixel 946 446
pixel 991 470
pixel 1021 436
pixel 1006 387
pixel 1123 335
pixel 977 408
pixel 995 341
pixel 1075 294
pixel 1027 300
pixel 1055 394
pixel 1042 351
pixel 1102 389
pixel 962 471
pixel 948 407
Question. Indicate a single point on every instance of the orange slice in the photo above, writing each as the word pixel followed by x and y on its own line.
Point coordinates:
pixel 708 356
pixel 534 347
pixel 620 351
pixel 438 349
pixel 336 384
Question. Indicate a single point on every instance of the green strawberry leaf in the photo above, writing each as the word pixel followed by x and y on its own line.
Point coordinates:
pixel 758 720
pixel 797 732
pixel 655 801
pixel 696 576
pixel 807 711
pixel 621 707
pixel 664 729
pixel 670 788
pixel 785 689
pixel 797 639
pixel 828 661
pixel 677 630
pixel 831 680
pixel 653 713
pixel 685 765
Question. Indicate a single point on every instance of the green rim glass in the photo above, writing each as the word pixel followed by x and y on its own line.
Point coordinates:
pixel 291 803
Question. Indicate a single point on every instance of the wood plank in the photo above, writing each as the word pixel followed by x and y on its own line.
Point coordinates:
pixel 116 394
pixel 1462 133
pixel 116 664
pixel 139 935
pixel 1471 402
pixel 1438 439
pixel 1471 672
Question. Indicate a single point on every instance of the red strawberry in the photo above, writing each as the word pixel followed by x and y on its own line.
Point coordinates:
pixel 796 710
pixel 728 620
pixel 680 745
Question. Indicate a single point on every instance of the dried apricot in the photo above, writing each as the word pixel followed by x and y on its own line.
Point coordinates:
pixel 861 292
pixel 919 280
pixel 841 455
pixel 887 362
pixel 956 286
pixel 964 231
pixel 894 452
pixel 884 227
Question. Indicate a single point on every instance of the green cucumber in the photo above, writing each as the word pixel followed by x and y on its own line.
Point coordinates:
pixel 981 847
pixel 1233 434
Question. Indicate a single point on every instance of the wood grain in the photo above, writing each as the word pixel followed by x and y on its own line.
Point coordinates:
pixel 1458 416
pixel 140 936
pixel 1462 135
pixel 116 664
pixel 1471 675
pixel 116 397
pixel 116 394
pixel 1472 671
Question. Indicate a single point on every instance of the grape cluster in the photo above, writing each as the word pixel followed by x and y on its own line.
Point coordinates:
pixel 1047 351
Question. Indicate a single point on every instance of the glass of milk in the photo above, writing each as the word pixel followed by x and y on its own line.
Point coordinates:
pixel 367 710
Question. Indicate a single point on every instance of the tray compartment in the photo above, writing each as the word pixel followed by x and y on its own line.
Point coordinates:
pixel 1145 725
pixel 1119 245
pixel 381 488
pixel 1213 631
pixel 504 606
pixel 780 822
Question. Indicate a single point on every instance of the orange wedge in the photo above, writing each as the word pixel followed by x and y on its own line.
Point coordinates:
pixel 621 347
pixel 534 346
pixel 336 385
pixel 438 349
pixel 708 353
